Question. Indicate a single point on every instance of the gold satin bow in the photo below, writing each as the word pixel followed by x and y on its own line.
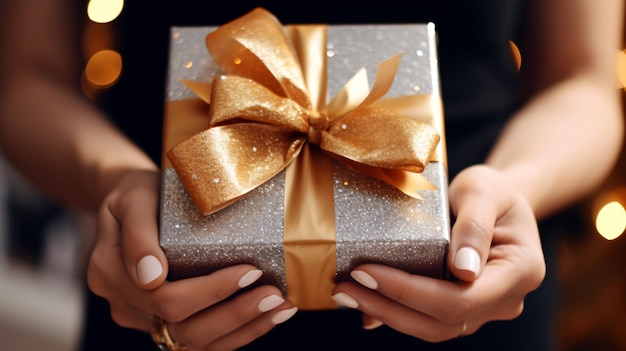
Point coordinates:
pixel 270 104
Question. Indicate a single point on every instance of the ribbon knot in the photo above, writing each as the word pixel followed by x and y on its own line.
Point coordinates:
pixel 317 123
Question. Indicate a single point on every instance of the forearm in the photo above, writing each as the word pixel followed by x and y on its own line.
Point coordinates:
pixel 61 143
pixel 562 144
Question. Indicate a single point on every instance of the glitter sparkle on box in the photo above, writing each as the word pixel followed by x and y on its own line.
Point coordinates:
pixel 374 221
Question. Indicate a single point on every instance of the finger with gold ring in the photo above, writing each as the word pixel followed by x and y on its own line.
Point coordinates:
pixel 162 338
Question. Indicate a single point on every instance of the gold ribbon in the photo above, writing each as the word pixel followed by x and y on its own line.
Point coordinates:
pixel 268 113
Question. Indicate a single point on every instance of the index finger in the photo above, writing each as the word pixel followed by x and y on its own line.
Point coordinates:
pixel 136 213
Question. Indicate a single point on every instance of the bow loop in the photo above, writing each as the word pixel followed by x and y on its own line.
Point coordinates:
pixel 255 46
pixel 236 98
pixel 371 136
pixel 228 161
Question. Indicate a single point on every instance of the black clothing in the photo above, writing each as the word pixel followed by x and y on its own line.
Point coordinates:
pixel 479 91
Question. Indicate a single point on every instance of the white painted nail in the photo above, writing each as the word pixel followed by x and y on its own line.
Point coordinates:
pixel 250 277
pixel 148 269
pixel 364 279
pixel 345 300
pixel 270 302
pixel 282 316
pixel 467 259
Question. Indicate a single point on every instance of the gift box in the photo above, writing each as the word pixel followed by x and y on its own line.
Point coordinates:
pixel 260 166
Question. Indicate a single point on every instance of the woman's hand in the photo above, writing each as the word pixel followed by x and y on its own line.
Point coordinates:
pixel 128 268
pixel 495 254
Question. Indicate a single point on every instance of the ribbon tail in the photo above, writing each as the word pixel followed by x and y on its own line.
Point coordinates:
pixel 384 79
pixel 202 90
pixel 351 95
pixel 410 183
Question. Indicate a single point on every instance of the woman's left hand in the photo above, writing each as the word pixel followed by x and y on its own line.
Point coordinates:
pixel 495 254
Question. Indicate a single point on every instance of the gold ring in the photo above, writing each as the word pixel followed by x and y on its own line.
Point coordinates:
pixel 161 336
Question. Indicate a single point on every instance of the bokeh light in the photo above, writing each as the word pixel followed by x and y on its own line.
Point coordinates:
pixel 104 68
pixel 517 56
pixel 104 11
pixel 104 64
pixel 611 220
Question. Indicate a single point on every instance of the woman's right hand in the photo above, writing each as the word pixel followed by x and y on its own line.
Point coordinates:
pixel 128 268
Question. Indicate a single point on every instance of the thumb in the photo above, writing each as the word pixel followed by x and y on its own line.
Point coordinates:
pixel 471 234
pixel 144 259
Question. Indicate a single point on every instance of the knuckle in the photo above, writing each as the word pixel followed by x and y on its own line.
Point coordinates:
pixel 511 309
pixel 518 311
pixel 436 335
pixel 381 315
pixel 540 275
pixel 401 295
pixel 477 227
pixel 515 311
pixel 120 318
pixel 186 336
pixel 242 315
pixel 454 312
pixel 169 308
pixel 94 283
pixel 531 266
pixel 221 293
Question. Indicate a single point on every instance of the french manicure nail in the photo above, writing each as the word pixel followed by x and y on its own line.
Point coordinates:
pixel 270 302
pixel 282 316
pixel 148 269
pixel 467 259
pixel 364 279
pixel 345 300
pixel 250 277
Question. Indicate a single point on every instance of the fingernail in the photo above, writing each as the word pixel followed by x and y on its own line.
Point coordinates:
pixel 467 259
pixel 364 279
pixel 345 300
pixel 148 269
pixel 270 302
pixel 372 324
pixel 284 315
pixel 250 277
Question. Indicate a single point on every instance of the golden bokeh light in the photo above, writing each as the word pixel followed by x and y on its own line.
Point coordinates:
pixel 103 68
pixel 611 220
pixel 104 11
pixel 517 56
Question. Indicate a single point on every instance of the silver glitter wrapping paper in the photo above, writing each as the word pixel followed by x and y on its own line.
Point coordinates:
pixel 374 222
